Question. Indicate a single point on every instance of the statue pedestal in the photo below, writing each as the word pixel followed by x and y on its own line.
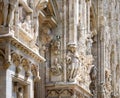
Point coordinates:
pixel 66 90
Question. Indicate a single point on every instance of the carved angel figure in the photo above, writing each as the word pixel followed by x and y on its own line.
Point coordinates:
pixel 20 92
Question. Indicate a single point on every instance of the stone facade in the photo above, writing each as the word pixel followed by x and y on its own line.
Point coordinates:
pixel 59 48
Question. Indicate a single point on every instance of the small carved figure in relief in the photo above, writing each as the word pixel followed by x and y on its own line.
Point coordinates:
pixel 56 45
pixel 92 87
pixel 93 76
pixel 108 83
pixel 89 42
pixel 27 24
pixel 20 92
pixel 56 68
pixel 8 11
pixel 93 73
pixel 72 62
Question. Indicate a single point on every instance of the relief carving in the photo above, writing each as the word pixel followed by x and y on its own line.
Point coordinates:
pixel 56 68
pixel 26 25
pixel 56 45
pixel 72 61
pixel 89 42
pixel 93 76
pixel 108 86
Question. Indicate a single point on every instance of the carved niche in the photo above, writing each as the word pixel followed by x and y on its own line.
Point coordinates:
pixel 22 63
pixel 19 89
pixel 56 67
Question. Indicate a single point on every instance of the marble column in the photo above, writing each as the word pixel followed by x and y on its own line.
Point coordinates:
pixel 101 50
pixel 73 20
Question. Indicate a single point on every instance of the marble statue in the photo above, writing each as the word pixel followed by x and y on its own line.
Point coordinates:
pixel 27 24
pixel 20 93
pixel 89 42
pixel 72 63
pixel 8 11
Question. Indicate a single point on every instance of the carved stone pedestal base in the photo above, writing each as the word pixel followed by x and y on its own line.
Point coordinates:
pixel 66 90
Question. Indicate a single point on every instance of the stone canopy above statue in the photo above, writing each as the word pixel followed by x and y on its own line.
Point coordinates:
pixel 48 14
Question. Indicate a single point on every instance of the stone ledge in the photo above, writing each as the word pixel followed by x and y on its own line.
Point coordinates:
pixel 15 42
pixel 68 85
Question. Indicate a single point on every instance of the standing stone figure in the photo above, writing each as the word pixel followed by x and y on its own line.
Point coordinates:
pixel 20 93
pixel 8 11
pixel 72 63
pixel 93 76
